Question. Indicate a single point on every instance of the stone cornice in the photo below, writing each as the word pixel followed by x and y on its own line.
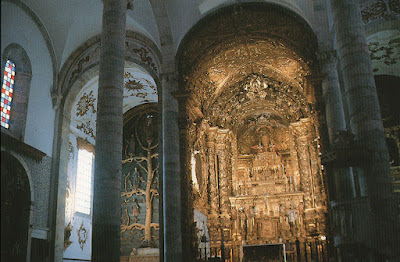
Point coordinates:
pixel 13 144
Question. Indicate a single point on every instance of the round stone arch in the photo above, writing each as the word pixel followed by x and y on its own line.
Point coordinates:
pixel 83 66
pixel 28 174
pixel 139 50
pixel 284 4
pixel 17 200
pixel 283 24
pixel 23 76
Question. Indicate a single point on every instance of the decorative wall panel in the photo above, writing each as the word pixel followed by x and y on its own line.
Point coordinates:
pixel 140 180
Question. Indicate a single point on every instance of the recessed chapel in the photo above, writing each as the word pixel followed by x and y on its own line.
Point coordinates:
pixel 202 130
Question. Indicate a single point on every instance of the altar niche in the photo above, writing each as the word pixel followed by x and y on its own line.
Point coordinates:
pixel 261 185
pixel 250 131
pixel 140 181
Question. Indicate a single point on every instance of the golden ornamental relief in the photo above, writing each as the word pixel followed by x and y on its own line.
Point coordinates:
pixel 82 235
pixel 258 188
pixel 248 105
pixel 86 103
pixel 138 86
pixel 87 128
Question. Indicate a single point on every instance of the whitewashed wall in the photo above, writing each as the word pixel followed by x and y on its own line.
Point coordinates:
pixel 87 23
pixel 18 27
pixel 384 47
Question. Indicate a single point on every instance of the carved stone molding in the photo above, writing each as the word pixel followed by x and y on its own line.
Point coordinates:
pixel 13 144
pixel 139 49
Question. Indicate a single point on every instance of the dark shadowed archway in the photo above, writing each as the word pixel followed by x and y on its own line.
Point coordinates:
pixel 15 209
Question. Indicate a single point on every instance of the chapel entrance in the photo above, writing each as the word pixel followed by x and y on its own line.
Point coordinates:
pixel 252 137
pixel 140 185
pixel 15 209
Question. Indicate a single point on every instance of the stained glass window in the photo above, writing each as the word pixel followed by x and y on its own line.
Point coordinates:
pixel 7 93
pixel 84 181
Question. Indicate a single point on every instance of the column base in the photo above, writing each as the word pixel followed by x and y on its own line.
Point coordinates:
pixel 143 255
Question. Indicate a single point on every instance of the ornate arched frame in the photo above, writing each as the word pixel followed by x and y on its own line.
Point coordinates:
pixel 23 76
pixel 79 69
pixel 32 192
pixel 203 40
pixel 300 37
pixel 299 12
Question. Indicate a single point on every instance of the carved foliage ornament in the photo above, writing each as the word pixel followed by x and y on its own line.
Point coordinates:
pixel 140 179
pixel 84 114
pixel 137 47
pixel 257 95
pixel 139 87
pixel 388 53
pixel 232 61
pixel 85 103
pixel 373 10
pixel 82 235
pixel 67 235
pixel 241 21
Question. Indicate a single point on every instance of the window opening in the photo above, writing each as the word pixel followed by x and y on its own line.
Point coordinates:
pixel 84 181
pixel 7 93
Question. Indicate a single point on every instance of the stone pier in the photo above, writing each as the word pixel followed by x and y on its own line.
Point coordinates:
pixel 366 125
pixel 108 165
pixel 336 122
pixel 171 172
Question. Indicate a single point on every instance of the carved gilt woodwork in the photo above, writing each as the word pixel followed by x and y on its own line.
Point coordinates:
pixel 140 181
pixel 251 124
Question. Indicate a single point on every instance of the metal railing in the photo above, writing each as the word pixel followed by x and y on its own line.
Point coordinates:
pixel 314 250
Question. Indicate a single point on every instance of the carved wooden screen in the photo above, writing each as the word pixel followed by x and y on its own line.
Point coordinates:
pixel 140 180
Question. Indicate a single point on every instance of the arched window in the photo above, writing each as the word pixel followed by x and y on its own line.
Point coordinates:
pixel 84 181
pixel 7 93
pixel 16 60
pixel 84 177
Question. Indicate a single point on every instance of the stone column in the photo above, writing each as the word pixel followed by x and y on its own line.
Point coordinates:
pixel 108 160
pixel 222 154
pixel 331 94
pixel 294 162
pixel 300 132
pixel 212 172
pixel 365 120
pixel 343 177
pixel 172 209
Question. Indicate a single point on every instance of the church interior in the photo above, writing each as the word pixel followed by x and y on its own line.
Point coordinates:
pixel 202 130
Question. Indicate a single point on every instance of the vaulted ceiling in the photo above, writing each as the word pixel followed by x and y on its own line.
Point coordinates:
pixel 70 24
